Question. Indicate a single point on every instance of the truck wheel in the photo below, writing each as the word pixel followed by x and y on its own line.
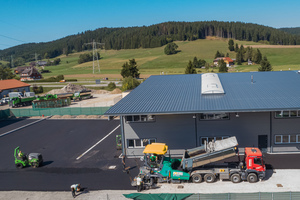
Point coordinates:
pixel 34 165
pixel 209 178
pixel 235 178
pixel 197 178
pixel 252 178
pixel 19 166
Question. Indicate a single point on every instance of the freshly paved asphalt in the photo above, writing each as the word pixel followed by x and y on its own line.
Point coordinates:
pixel 62 141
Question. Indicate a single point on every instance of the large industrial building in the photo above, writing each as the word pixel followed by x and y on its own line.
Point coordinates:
pixel 261 109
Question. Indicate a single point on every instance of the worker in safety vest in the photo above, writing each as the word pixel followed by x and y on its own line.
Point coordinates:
pixel 75 188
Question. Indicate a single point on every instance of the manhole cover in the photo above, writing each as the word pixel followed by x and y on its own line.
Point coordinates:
pixel 112 167
pixel 279 185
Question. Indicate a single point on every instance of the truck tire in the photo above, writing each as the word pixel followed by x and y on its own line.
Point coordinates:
pixel 197 178
pixel 235 178
pixel 252 178
pixel 209 178
pixel 19 166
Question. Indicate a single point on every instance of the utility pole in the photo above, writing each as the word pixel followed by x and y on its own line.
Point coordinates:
pixel 36 57
pixel 94 45
pixel 11 61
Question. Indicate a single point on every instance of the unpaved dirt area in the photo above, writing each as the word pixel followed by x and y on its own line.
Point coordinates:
pixel 116 76
pixel 98 100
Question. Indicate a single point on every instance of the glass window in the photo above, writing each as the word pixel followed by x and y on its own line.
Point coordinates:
pixel 257 161
pixel 138 143
pixel 151 117
pixel 218 138
pixel 278 139
pixel 203 139
pixel 136 118
pixel 293 138
pixel 145 142
pixel 130 143
pixel 214 116
pixel 128 118
pixel 152 141
pixel 298 138
pixel 285 138
pixel 293 113
pixel 210 139
pixel 285 114
pixel 143 118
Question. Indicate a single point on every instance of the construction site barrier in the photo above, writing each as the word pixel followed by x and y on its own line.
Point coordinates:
pixel 221 196
pixel 4 114
pixel 30 112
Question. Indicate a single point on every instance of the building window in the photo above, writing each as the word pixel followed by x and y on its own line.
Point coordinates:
pixel 136 143
pixel 287 114
pixel 287 139
pixel 209 139
pixel 214 116
pixel 140 118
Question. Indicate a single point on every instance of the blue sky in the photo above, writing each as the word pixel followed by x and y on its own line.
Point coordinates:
pixel 46 20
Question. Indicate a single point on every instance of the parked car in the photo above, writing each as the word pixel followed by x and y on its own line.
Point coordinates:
pixel 5 100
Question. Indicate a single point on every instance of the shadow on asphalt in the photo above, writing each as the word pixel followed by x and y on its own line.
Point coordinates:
pixel 46 163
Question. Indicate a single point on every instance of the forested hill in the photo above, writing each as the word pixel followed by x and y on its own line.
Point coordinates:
pixel 294 31
pixel 152 36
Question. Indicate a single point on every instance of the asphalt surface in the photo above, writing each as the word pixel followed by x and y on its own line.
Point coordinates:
pixel 61 142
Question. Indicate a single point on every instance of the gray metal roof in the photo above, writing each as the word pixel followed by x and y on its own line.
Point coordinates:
pixel 181 94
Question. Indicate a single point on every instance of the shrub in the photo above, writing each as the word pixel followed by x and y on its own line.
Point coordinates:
pixel 111 86
pixel 129 83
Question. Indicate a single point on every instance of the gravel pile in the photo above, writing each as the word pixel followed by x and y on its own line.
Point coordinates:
pixel 68 88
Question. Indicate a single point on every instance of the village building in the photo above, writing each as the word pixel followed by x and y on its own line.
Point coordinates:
pixel 262 109
pixel 229 62
pixel 12 85
pixel 30 74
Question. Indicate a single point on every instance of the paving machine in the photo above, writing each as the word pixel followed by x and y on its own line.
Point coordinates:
pixel 22 160
pixel 196 164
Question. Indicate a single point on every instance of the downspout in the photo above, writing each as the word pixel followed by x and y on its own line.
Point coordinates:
pixel 123 135
pixel 271 137
pixel 195 117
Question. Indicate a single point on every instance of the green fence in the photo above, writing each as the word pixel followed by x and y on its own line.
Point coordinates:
pixel 4 114
pixel 53 111
pixel 247 196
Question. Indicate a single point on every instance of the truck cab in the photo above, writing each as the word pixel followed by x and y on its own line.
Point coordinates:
pixel 254 161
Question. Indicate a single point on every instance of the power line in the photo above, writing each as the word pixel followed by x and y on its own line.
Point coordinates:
pixel 94 45
pixel 12 38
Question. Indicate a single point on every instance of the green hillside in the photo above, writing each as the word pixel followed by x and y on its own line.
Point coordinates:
pixel 154 61
pixel 294 31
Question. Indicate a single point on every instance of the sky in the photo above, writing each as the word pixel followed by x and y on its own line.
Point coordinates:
pixel 36 21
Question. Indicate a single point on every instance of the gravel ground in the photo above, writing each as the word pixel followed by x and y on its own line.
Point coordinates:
pixel 288 179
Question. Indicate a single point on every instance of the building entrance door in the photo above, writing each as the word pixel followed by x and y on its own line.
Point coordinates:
pixel 263 142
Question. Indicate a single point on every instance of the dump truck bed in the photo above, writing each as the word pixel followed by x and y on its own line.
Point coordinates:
pixel 209 153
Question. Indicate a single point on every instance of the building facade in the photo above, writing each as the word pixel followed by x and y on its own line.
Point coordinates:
pixel 12 85
pixel 262 109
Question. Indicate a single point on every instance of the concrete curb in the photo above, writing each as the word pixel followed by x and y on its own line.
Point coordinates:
pixel 23 126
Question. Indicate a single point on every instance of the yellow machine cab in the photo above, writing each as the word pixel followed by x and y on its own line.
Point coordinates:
pixel 156 148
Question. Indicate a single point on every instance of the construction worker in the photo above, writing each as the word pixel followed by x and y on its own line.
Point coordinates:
pixel 21 155
pixel 75 188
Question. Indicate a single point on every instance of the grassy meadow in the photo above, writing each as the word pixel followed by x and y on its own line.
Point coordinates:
pixel 154 61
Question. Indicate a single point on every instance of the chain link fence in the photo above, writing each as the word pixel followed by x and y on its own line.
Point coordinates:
pixel 247 196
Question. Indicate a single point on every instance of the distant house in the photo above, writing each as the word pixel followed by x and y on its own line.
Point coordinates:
pixel 12 85
pixel 229 62
pixel 19 70
pixel 41 63
pixel 30 74
pixel 249 62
